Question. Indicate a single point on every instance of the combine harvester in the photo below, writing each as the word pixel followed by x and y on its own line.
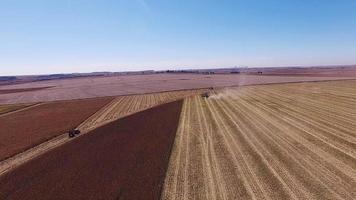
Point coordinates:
pixel 207 94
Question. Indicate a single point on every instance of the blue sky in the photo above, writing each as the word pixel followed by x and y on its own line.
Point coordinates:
pixel 53 36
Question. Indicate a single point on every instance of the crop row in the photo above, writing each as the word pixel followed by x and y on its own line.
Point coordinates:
pixel 286 141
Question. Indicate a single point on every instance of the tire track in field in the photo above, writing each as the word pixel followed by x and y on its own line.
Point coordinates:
pixel 320 133
pixel 213 150
pixel 210 190
pixel 248 187
pixel 321 167
pixel 301 136
pixel 266 142
pixel 298 161
pixel 186 158
pixel 342 120
pixel 272 184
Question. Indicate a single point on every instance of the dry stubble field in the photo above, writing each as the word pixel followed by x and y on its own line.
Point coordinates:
pixel 126 105
pixel 285 141
pixel 11 107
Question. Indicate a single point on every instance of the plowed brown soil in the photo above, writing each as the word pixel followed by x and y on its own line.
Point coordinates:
pixel 284 141
pixel 125 159
pixel 118 108
pixel 24 129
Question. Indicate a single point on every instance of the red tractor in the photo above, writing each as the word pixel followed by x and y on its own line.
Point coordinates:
pixel 73 133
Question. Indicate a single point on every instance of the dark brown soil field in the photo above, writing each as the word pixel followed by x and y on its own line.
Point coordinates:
pixel 79 88
pixel 24 129
pixel 125 159
pixel 9 91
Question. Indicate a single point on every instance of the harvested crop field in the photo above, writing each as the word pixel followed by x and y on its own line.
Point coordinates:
pixel 126 105
pixel 115 161
pixel 29 127
pixel 283 141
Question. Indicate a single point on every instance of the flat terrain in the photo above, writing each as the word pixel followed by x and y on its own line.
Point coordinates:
pixel 125 159
pixel 127 105
pixel 19 90
pixel 11 107
pixel 117 108
pixel 283 141
pixel 29 127
pixel 341 71
pixel 79 88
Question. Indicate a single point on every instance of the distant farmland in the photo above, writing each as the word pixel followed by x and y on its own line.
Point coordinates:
pixel 89 87
pixel 284 141
pixel 20 90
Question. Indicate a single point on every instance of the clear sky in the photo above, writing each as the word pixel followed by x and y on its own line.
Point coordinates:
pixel 53 36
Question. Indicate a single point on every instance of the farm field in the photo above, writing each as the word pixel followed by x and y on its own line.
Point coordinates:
pixel 283 141
pixel 115 161
pixel 27 128
pixel 117 108
pixel 80 88
pixel 341 71
pixel 19 90
pixel 12 107
pixel 126 105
